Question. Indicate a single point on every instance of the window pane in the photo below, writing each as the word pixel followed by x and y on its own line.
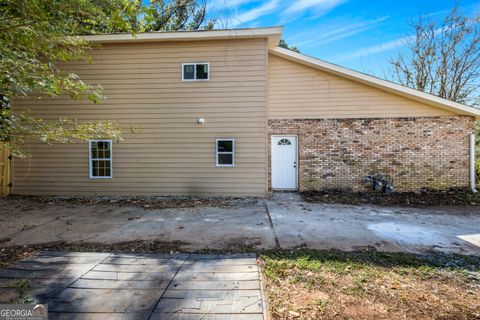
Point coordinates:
pixel 225 146
pixel 107 169
pixel 225 159
pixel 100 149
pixel 101 168
pixel 202 71
pixel 104 145
pixel 104 169
pixel 106 150
pixel 95 172
pixel 93 148
pixel 189 72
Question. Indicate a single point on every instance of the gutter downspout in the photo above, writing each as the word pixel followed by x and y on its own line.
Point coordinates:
pixel 472 164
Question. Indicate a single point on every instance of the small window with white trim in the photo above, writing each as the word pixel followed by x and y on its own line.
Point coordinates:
pixel 195 71
pixel 100 152
pixel 225 152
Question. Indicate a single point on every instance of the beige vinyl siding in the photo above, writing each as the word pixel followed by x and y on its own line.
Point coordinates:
pixel 171 154
pixel 301 92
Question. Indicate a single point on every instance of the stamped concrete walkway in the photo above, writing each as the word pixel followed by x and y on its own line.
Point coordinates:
pixel 87 285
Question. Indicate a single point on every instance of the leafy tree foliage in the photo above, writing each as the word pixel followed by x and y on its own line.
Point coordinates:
pixel 37 34
pixel 175 15
pixel 284 44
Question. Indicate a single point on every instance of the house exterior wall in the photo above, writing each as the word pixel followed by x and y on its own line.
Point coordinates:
pixel 347 130
pixel 170 153
pixel 423 152
pixel 301 92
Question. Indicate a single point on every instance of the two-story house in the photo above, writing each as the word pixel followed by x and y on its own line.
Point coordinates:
pixel 228 112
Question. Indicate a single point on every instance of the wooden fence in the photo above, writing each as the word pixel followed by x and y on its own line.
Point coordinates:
pixel 4 170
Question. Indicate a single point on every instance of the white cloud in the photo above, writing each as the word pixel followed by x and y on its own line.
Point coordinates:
pixel 225 4
pixel 435 13
pixel 256 12
pixel 318 6
pixel 334 33
pixel 382 47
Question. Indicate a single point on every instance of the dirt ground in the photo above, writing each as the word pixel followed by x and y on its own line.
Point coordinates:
pixel 160 202
pixel 370 285
pixel 423 198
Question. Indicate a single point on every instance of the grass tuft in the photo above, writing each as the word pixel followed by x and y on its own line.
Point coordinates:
pixel 333 284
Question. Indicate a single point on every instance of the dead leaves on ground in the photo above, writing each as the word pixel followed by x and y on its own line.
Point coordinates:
pixel 373 293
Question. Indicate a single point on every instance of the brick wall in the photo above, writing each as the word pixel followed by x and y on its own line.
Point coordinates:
pixel 416 152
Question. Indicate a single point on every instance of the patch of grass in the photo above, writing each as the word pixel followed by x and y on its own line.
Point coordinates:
pixel 359 280
pixel 22 287
pixel 308 279
pixel 333 284
pixel 337 261
pixel 321 304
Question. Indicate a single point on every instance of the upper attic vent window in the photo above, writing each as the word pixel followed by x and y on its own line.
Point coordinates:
pixel 195 71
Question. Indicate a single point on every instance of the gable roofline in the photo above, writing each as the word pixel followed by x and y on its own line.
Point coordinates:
pixel 377 83
pixel 273 34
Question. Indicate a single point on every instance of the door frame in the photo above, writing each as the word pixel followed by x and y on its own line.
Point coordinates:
pixel 297 140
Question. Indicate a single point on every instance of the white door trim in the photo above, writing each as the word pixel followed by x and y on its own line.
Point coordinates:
pixel 296 161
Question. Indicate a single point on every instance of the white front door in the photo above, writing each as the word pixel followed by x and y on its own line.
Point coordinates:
pixel 284 162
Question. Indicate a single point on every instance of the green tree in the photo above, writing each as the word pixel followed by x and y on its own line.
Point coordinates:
pixel 34 36
pixel 176 15
pixel 284 44
pixel 37 34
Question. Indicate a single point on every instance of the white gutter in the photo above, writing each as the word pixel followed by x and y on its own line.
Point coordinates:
pixel 473 179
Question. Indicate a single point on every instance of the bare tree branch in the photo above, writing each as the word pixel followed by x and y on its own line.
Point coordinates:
pixel 444 58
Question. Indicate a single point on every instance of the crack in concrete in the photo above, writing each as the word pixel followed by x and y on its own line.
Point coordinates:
pixel 25 227
pixel 275 236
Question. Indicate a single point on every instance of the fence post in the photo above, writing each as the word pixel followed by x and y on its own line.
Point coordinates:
pixel 4 170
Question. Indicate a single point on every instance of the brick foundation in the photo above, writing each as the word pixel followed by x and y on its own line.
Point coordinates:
pixel 417 152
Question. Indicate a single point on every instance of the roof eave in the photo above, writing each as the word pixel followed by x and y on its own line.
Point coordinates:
pixel 378 83
pixel 273 34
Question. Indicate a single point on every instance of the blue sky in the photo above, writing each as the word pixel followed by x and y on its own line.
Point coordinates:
pixel 358 34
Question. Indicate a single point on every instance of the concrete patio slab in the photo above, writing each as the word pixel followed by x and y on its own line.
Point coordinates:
pixel 285 221
pixel 128 276
pixel 140 286
pixel 211 301
pixel 193 228
pixel 103 316
pixel 197 316
pixel 75 300
pixel 120 284
pixel 347 227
